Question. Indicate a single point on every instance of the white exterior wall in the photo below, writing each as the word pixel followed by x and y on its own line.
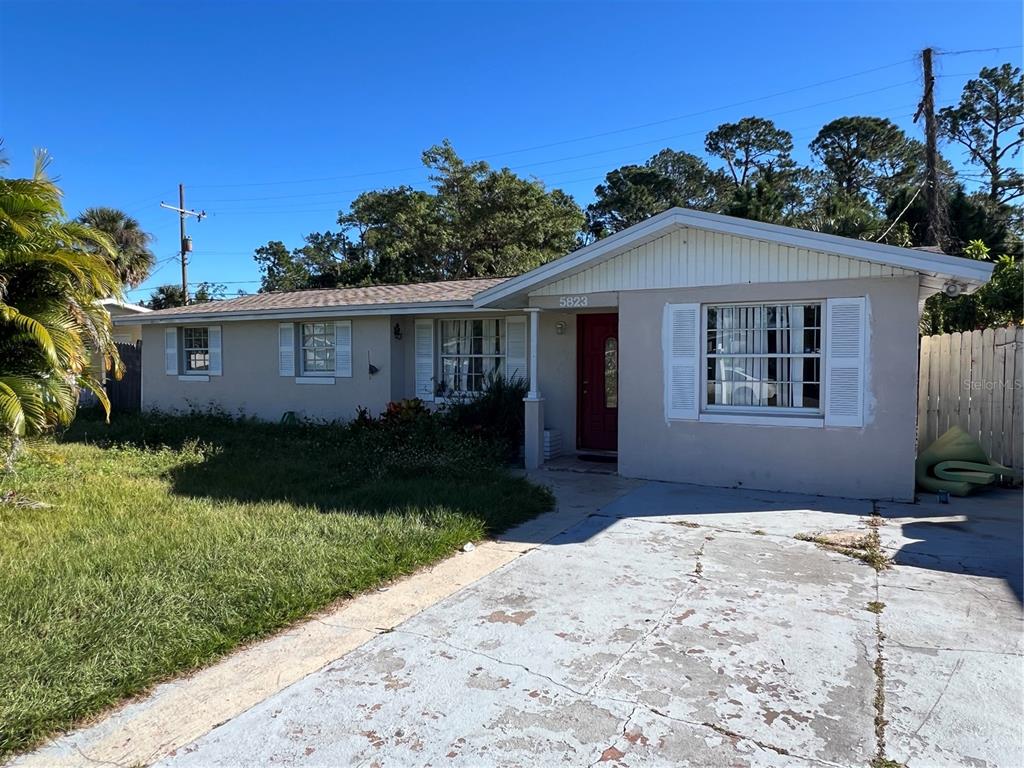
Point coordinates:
pixel 873 461
pixel 251 384
pixel 691 257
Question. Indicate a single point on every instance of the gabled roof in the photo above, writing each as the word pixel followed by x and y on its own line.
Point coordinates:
pixel 371 299
pixel 936 269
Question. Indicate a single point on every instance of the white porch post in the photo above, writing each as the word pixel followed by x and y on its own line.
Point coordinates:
pixel 533 452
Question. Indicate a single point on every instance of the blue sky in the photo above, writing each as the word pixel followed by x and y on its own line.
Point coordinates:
pixel 276 114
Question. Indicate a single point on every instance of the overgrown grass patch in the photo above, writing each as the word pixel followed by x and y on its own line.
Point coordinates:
pixel 138 551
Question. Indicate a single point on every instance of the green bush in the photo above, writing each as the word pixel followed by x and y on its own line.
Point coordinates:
pixel 495 415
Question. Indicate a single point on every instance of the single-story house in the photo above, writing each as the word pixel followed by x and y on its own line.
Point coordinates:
pixel 698 348
pixel 126 331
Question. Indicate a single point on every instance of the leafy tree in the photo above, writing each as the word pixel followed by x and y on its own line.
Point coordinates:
pixel 969 217
pixel 670 178
pixel 207 291
pixel 989 122
pixel 477 222
pixel 133 260
pixel 52 274
pixel 751 145
pixel 281 271
pixel 166 297
pixel 629 195
pixel 868 158
pixel 696 185
pixel 996 303
pixel 398 235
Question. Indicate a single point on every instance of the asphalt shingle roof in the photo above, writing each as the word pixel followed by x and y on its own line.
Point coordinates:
pixel 371 295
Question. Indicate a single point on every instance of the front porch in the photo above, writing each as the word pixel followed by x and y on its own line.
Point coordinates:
pixel 573 385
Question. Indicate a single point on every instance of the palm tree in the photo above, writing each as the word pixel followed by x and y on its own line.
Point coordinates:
pixel 52 271
pixel 133 260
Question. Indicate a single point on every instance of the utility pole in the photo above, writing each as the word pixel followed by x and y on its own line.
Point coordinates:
pixel 933 192
pixel 186 242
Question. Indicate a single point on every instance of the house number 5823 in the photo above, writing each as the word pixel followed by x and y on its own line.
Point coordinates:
pixel 572 301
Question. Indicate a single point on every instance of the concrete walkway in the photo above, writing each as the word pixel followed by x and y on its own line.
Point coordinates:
pixel 664 625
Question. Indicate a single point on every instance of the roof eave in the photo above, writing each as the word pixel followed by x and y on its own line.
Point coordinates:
pixel 295 313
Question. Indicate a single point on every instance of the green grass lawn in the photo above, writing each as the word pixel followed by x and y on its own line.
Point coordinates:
pixel 138 551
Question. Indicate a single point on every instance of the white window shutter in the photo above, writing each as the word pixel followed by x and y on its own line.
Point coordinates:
pixel 845 356
pixel 286 349
pixel 515 348
pixel 681 350
pixel 424 351
pixel 171 351
pixel 213 335
pixel 343 348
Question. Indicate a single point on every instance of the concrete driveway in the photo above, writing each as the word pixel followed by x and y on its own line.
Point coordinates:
pixel 685 626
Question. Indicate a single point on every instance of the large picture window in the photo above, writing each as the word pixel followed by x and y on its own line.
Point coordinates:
pixel 764 356
pixel 317 349
pixel 195 344
pixel 472 351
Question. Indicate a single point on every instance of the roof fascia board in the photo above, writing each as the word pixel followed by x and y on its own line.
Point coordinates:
pixel 366 310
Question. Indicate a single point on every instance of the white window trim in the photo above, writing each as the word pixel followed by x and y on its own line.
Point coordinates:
pixel 441 356
pixel 300 353
pixel 764 420
pixel 194 374
pixel 316 379
pixel 773 416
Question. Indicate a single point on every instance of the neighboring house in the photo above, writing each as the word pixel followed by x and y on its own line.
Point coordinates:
pixel 700 348
pixel 127 331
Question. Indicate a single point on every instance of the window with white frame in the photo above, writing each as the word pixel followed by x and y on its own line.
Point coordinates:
pixel 195 347
pixel 472 352
pixel 317 341
pixel 764 357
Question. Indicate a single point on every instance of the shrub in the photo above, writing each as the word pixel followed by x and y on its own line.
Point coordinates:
pixel 496 414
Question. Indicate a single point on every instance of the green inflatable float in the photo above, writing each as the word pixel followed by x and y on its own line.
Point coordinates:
pixel 957 464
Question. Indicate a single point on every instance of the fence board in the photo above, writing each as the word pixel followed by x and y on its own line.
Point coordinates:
pixel 922 392
pixel 998 370
pixel 1017 382
pixel 974 380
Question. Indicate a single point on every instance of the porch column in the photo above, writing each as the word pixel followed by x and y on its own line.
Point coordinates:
pixel 533 452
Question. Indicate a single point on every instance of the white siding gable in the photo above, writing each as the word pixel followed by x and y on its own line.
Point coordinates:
pixel 692 257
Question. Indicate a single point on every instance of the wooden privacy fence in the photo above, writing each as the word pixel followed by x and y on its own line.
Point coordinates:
pixel 126 393
pixel 974 380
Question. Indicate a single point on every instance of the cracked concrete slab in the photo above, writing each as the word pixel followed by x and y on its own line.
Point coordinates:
pixel 625 640
pixel 672 625
pixel 953 707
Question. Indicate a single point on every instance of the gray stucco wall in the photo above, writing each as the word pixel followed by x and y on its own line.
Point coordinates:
pixel 875 461
pixel 251 384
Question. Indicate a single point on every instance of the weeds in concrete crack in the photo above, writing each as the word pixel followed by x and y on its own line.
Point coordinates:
pixel 875 606
pixel 866 548
pixel 880 760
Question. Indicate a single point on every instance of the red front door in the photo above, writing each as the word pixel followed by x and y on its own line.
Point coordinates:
pixel 597 345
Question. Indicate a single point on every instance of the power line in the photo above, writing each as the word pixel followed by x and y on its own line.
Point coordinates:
pixel 979 50
pixel 526 166
pixel 577 138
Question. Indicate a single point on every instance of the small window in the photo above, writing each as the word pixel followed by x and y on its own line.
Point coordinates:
pixel 764 357
pixel 611 372
pixel 317 349
pixel 472 353
pixel 196 349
